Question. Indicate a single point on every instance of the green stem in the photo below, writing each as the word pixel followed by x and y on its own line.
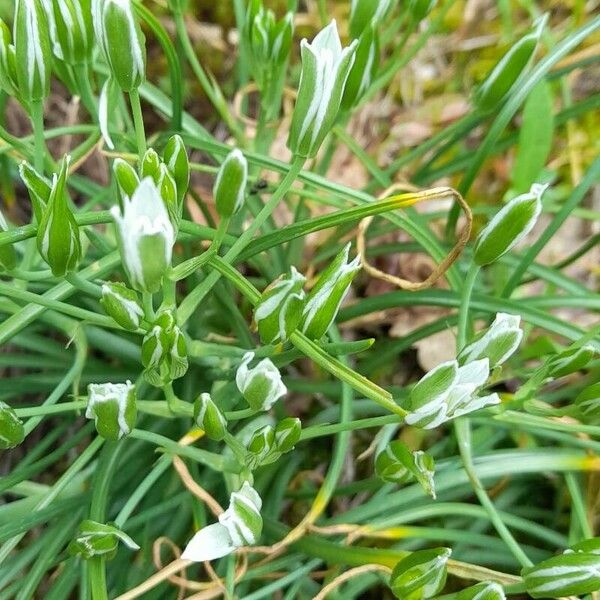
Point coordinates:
pixel 138 121
pixel 82 77
pixel 37 121
pixel 463 315
pixel 147 301
pixel 104 473
pixel 462 428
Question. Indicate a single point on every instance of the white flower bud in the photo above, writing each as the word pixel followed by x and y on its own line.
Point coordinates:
pixel 325 69
pixel 146 237
pixel 498 343
pixel 113 408
pixel 261 386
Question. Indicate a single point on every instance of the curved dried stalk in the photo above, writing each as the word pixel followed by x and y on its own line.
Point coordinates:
pixel 441 269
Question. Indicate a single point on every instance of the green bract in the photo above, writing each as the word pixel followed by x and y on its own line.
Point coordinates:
pixel 209 418
pixel 510 68
pixel 261 386
pixel 509 226
pixel 324 300
pixel 95 539
pixel 122 42
pixel 279 310
pixel 8 256
pixel 421 575
pixel 397 464
pixel 230 186
pixel 325 69
pixel 122 304
pixel 240 525
pixel 12 432
pixel 570 574
pixel 113 408
pixel 146 236
pixel 58 238
pixel 32 50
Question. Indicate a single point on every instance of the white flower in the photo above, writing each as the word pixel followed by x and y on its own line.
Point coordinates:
pixel 240 525
pixel 449 391
pixel 262 385
pixel 146 236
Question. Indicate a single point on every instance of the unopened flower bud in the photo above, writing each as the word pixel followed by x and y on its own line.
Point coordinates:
pixel 122 304
pixel 397 464
pixel 122 42
pixel 261 386
pixel 177 161
pixel 229 190
pixel 95 540
pixel 151 165
pixel 164 352
pixel 58 238
pixel 279 310
pixel 588 403
pixel 572 574
pixel 127 178
pixel 240 525
pixel 486 590
pixel 287 434
pixel 209 418
pixel 8 62
pixel 146 237
pixel 33 52
pixel 39 188
pixel 72 23
pixel 324 300
pixel 420 575
pixel 8 256
pixel 509 69
pixel 364 68
pixel 571 360
pixel 498 343
pixel 12 432
pixel 325 69
pixel 113 408
pixel 509 226
pixel 261 448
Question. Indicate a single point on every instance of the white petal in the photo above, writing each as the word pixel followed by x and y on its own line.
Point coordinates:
pixel 103 114
pixel 209 543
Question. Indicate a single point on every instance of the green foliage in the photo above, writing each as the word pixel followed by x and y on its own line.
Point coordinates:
pixel 241 318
